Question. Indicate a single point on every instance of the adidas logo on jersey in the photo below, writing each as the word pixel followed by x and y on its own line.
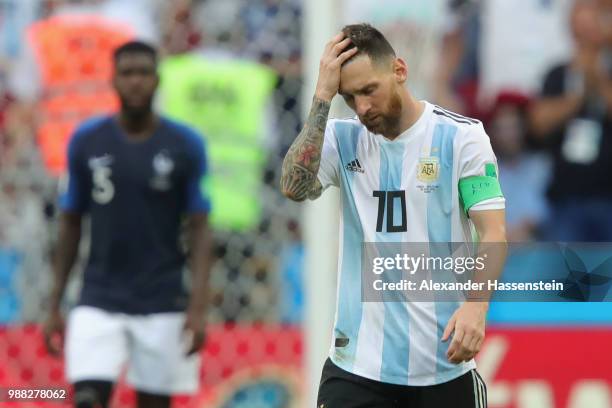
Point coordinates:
pixel 355 166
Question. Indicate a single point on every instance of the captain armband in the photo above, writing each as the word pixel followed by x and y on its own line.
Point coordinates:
pixel 475 189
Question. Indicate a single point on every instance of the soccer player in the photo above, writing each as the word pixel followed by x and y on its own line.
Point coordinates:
pixel 395 353
pixel 138 176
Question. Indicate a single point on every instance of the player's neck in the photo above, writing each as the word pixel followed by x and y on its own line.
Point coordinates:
pixel 412 110
pixel 138 126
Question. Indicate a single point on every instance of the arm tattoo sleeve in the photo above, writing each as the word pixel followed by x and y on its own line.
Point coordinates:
pixel 301 165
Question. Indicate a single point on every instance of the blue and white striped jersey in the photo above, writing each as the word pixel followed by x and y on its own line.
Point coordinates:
pixel 399 342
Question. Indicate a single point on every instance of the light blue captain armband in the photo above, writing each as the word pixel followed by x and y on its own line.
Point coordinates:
pixel 475 189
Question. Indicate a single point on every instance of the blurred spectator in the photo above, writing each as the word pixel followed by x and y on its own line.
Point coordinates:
pixel 523 174
pixel 573 116
pixel 226 98
pixel 138 15
pixel 15 16
pixel 492 45
pixel 180 32
pixel 221 26
pixel 519 44
pixel 457 72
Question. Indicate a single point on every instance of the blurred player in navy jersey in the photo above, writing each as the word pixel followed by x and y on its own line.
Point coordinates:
pixel 138 176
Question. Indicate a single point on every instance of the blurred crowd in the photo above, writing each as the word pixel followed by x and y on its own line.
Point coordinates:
pixel 538 76
pixel 260 38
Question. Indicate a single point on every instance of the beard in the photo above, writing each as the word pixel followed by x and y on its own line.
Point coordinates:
pixel 386 123
pixel 140 108
pixel 137 113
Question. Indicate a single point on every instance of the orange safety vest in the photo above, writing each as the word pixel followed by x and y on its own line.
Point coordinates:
pixel 74 55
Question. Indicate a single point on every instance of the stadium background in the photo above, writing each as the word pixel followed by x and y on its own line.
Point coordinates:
pixel 273 281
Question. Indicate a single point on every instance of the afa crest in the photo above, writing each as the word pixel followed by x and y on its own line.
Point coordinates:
pixel 428 169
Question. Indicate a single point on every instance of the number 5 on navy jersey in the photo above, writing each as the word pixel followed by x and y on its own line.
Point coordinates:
pixel 103 190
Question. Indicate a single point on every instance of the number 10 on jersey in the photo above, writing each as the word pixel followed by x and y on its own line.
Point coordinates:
pixel 386 202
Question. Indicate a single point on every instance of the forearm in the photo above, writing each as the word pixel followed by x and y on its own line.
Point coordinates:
pixel 492 252
pixel 200 244
pixel 301 164
pixel 493 256
pixel 66 252
pixel 550 113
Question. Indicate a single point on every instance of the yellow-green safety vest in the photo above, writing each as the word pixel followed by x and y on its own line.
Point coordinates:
pixel 225 100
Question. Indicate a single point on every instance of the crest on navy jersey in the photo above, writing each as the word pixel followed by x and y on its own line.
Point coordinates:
pixel 162 169
pixel 101 161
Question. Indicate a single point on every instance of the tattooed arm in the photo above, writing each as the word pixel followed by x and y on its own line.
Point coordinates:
pixel 301 165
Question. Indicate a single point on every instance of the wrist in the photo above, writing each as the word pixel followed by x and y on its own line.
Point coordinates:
pixel 55 310
pixel 196 308
pixel 480 304
pixel 55 302
pixel 324 96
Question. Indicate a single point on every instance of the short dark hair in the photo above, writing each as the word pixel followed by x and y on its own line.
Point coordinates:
pixel 369 41
pixel 134 47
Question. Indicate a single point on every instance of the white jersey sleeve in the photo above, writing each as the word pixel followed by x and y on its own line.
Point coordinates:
pixel 475 152
pixel 329 174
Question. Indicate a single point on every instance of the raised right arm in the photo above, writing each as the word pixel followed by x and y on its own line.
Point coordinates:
pixel 301 164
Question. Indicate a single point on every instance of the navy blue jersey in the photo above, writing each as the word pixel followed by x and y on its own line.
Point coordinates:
pixel 136 194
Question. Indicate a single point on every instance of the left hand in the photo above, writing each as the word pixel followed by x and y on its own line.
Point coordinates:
pixel 195 331
pixel 468 325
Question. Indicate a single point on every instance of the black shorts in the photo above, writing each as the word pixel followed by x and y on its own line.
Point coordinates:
pixel 341 389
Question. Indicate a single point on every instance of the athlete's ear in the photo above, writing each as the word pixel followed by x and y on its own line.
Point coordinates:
pixel 400 70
